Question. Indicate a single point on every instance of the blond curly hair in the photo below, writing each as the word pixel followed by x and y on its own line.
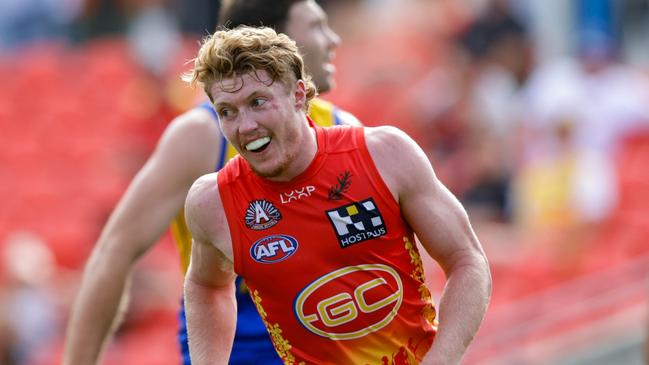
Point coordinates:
pixel 232 53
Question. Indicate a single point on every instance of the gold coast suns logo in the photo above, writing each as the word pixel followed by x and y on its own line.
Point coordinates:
pixel 350 302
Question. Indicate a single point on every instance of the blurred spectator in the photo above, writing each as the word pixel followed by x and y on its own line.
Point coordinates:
pixel 198 17
pixel 26 21
pixel 498 50
pixel 99 18
pixel 467 107
pixel 584 108
pixel 598 26
pixel 499 39
pixel 577 112
pixel 645 340
pixel 29 316
pixel 154 37
pixel 8 339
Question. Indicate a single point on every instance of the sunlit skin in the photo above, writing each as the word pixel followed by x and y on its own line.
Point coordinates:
pixel 308 26
pixel 264 125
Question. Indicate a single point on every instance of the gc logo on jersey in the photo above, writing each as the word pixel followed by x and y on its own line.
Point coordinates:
pixel 272 249
pixel 370 303
pixel 357 222
pixel 262 214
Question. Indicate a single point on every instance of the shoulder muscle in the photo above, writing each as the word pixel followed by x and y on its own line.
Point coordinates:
pixel 399 159
pixel 205 215
pixel 190 144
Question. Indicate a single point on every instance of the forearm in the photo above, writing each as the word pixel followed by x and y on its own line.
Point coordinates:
pixel 211 320
pixel 461 310
pixel 95 313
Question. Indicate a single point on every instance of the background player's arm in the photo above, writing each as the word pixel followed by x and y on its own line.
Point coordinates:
pixel 443 228
pixel 347 118
pixel 187 150
pixel 209 284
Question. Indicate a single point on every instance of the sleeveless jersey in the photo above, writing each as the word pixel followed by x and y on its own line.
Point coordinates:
pixel 322 112
pixel 251 342
pixel 328 259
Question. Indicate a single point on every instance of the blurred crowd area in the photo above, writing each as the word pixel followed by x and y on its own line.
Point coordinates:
pixel 535 114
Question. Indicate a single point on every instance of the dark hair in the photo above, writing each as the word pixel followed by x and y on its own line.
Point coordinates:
pixel 268 13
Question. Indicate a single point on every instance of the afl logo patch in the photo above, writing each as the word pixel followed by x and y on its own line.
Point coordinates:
pixel 272 249
pixel 262 214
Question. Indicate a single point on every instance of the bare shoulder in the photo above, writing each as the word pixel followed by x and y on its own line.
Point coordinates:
pixel 385 134
pixel 205 215
pixel 196 124
pixel 191 143
pixel 397 156
pixel 203 199
pixel 388 143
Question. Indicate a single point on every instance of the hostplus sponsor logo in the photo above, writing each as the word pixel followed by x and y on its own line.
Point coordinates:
pixel 297 194
pixel 357 222
pixel 272 249
pixel 262 214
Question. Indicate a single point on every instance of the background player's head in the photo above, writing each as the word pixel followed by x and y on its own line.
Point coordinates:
pixel 302 20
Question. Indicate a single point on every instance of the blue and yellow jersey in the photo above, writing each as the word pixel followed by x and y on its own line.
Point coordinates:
pixel 322 112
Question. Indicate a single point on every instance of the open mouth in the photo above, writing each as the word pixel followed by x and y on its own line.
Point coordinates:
pixel 258 145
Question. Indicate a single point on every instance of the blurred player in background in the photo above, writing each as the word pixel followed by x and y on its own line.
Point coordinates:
pixel 191 146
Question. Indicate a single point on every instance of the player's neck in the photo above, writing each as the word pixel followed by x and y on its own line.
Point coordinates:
pixel 303 155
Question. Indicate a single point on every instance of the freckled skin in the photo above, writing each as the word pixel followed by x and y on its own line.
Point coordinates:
pixel 255 110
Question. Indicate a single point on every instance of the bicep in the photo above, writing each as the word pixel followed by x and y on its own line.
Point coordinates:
pixel 436 216
pixel 209 266
pixel 440 222
pixel 149 204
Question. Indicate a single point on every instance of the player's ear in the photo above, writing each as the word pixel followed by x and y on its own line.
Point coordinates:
pixel 300 95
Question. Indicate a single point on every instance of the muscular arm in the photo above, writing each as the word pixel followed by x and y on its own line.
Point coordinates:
pixel 209 284
pixel 442 226
pixel 188 149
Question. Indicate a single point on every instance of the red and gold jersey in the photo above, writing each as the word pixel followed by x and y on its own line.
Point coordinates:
pixel 328 259
pixel 323 113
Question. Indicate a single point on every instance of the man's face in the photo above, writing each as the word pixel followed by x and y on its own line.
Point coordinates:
pixel 264 122
pixel 307 26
